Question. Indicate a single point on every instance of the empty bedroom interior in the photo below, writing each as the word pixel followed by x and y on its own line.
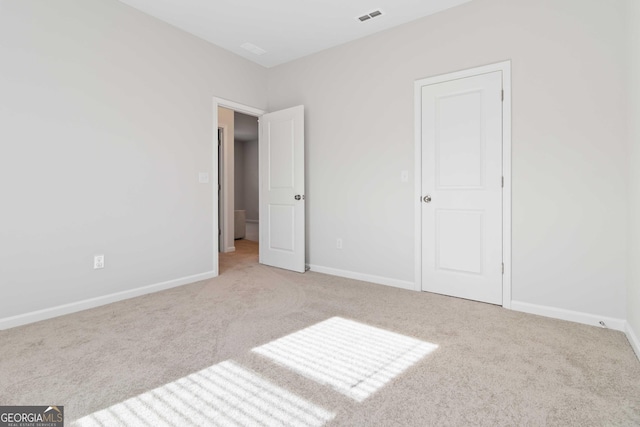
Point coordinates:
pixel 106 124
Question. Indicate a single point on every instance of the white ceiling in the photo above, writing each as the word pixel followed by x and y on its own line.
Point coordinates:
pixel 286 29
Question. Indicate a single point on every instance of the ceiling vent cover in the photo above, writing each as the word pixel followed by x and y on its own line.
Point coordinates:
pixel 256 50
pixel 369 15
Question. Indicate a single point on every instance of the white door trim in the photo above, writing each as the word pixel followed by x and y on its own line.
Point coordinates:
pixel 505 67
pixel 227 229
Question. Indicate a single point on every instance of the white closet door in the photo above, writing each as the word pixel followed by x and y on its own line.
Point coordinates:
pixel 462 188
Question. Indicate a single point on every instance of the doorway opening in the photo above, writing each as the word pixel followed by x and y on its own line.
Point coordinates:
pixel 238 186
pixel 246 178
pixel 236 166
pixel 281 198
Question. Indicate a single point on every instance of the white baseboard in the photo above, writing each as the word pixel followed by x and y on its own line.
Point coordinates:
pixel 572 316
pixel 48 313
pixel 363 277
pixel 633 339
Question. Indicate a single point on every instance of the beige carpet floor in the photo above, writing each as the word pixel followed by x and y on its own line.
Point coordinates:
pixel 263 346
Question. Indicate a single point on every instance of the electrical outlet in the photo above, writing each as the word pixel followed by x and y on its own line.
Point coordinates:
pixel 339 243
pixel 98 262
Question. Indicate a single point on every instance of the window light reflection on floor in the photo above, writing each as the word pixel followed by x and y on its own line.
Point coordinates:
pixel 225 394
pixel 353 358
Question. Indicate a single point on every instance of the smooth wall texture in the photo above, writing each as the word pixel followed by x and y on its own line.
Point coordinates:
pixel 246 178
pixel 246 187
pixel 238 174
pixel 569 60
pixel 633 294
pixel 251 180
pixel 105 122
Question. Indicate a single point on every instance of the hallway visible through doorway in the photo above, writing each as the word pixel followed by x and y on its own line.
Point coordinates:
pixel 246 254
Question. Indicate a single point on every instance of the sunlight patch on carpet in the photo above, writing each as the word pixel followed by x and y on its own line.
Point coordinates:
pixel 353 358
pixel 225 394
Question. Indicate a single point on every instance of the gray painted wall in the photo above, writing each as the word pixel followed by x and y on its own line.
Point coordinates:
pixel 246 178
pixel 239 173
pixel 570 217
pixel 246 164
pixel 105 122
pixel 251 179
pixel 104 128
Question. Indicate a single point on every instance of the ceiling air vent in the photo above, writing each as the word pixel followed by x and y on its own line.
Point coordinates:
pixel 369 15
pixel 253 49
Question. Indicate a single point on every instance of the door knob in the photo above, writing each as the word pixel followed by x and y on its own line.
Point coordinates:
pixel 298 197
pixel 427 199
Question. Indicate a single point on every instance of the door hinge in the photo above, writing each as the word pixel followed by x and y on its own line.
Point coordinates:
pixel 503 182
pixel 503 268
pixel 502 95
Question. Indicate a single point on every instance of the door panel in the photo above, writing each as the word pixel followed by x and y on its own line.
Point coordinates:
pixel 282 204
pixel 281 225
pixel 462 174
pixel 459 245
pixel 281 154
pixel 458 141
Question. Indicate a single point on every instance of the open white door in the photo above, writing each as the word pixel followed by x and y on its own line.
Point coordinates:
pixel 282 212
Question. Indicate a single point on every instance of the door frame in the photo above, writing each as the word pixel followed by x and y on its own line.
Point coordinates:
pixel 227 189
pixel 505 68
pixel 221 203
